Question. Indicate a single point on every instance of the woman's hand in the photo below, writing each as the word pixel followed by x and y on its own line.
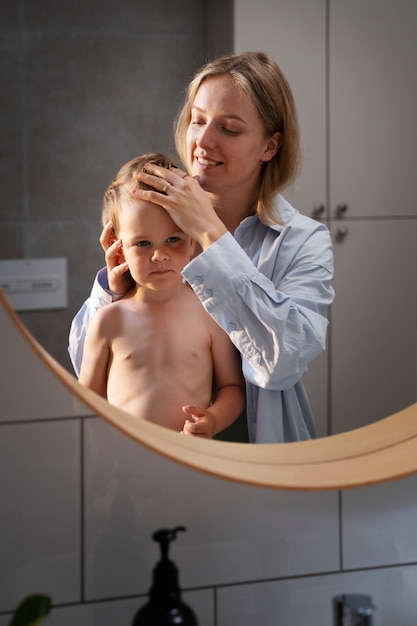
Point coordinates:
pixel 118 275
pixel 186 202
pixel 200 422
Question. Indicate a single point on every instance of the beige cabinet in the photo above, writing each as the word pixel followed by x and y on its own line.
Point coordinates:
pixel 352 66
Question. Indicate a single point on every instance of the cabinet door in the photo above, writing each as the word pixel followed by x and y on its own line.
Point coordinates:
pixel 373 106
pixel 294 33
pixel 373 323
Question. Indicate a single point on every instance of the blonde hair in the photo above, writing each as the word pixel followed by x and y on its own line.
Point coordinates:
pixel 260 77
pixel 119 190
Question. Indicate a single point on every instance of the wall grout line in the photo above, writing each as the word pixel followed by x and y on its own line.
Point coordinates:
pixel 340 495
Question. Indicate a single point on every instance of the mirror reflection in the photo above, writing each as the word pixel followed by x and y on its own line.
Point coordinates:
pixel 77 125
pixel 263 271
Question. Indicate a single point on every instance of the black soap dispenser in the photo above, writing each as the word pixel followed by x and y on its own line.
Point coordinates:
pixel 165 607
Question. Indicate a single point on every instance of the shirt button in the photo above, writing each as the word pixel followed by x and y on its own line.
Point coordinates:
pixel 207 293
pixel 198 280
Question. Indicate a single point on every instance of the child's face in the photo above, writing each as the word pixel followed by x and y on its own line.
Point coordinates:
pixel 155 249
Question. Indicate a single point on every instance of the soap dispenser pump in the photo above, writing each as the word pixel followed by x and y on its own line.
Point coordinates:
pixel 165 606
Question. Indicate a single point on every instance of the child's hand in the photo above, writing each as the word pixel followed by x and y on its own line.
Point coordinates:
pixel 118 276
pixel 200 422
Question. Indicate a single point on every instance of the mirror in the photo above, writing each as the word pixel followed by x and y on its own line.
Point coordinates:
pixel 82 93
pixel 376 453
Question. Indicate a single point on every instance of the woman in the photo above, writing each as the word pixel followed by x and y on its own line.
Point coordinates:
pixel 265 271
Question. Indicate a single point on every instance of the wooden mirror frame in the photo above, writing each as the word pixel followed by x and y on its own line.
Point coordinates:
pixel 385 450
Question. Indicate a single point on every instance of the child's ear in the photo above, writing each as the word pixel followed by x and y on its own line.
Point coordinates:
pixel 192 246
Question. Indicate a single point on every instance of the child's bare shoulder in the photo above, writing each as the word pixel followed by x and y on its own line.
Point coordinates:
pixel 109 313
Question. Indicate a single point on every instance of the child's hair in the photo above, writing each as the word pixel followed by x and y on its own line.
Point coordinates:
pixel 126 181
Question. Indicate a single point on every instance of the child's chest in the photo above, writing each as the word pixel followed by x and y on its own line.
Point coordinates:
pixel 164 338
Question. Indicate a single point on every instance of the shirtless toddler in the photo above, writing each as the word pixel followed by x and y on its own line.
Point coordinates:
pixel 156 352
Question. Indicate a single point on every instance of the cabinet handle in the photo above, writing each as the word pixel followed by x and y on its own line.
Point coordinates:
pixel 341 209
pixel 317 211
pixel 341 233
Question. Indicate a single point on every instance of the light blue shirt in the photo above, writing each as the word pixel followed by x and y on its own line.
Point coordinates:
pixel 269 287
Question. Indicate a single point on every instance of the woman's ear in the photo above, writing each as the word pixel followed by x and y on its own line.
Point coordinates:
pixel 272 146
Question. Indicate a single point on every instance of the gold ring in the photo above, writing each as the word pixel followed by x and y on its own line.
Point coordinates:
pixel 165 187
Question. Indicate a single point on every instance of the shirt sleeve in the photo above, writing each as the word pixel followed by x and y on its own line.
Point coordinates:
pixel 100 296
pixel 278 324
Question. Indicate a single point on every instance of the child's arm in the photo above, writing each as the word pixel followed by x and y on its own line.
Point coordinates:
pixel 93 372
pixel 229 387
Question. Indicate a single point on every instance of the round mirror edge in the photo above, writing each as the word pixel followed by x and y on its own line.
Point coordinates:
pixel 379 452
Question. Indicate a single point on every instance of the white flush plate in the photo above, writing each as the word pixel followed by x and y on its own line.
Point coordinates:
pixel 35 284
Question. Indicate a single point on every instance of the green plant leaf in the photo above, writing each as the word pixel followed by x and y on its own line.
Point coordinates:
pixel 31 610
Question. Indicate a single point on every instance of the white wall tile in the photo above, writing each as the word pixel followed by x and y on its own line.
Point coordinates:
pixel 234 532
pixel 40 511
pixel 379 524
pixel 309 600
pixel 28 390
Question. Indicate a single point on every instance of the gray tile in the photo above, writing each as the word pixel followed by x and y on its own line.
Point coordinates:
pixel 92 105
pixel 10 15
pixel 39 524
pixel 12 244
pixel 12 129
pixel 125 16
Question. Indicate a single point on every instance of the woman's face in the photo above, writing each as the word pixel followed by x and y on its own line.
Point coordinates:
pixel 226 142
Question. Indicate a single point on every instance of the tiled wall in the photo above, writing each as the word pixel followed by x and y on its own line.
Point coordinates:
pixel 80 501
pixel 85 85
